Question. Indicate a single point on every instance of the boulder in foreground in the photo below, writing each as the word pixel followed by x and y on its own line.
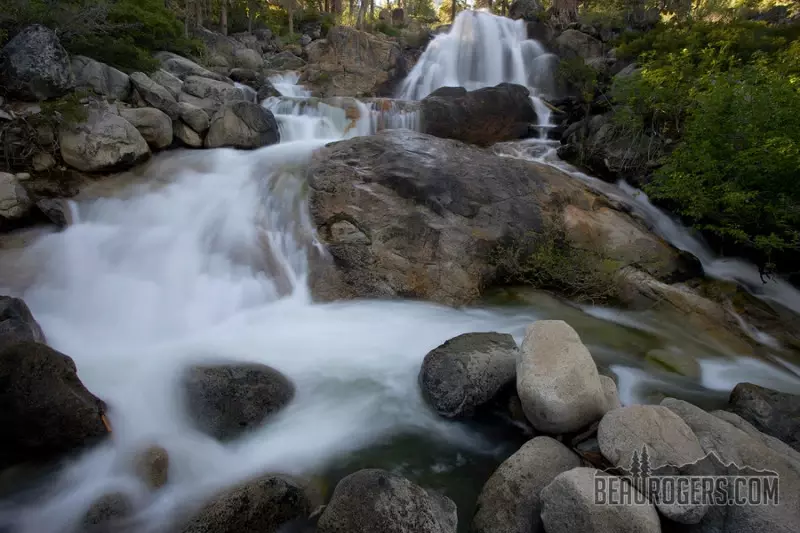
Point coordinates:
pixel 771 412
pixel 242 125
pixel 34 66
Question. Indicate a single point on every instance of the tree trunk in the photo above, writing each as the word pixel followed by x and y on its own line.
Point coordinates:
pixel 327 7
pixel 186 20
pixel 223 18
pixel 198 20
pixel 453 11
pixel 362 11
pixel 565 11
pixel 352 8
pixel 250 10
pixel 372 10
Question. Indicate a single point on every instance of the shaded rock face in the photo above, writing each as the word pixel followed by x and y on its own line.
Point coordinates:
pixel 187 135
pixel 262 505
pixel 154 125
pixel 155 95
pixel 771 412
pixel 228 400
pixel 244 125
pixel 104 141
pixel 44 408
pixel 568 506
pixel 34 66
pixel 194 117
pixel 101 78
pixel 170 82
pixel 573 43
pixel 405 214
pixel 557 379
pixel 375 500
pixel 14 200
pixel 349 62
pixel 510 501
pixel 17 323
pixel 107 513
pixel 483 117
pixel 467 371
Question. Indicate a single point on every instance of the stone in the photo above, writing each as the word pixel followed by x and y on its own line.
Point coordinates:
pixel 573 43
pixel 155 95
pixel 284 61
pixel 100 78
pixel 244 125
pixel 305 40
pixel 213 90
pixel 42 161
pixel 186 135
pixel 771 412
pixel 154 125
pixel 247 58
pixel 483 117
pixel 152 467
pixel 568 506
pixel 34 66
pixel 45 410
pixel 262 505
pixel 671 446
pixel 106 513
pixel 14 201
pixel 170 82
pixel 510 501
pixel 467 371
pixel 610 392
pixel 17 323
pixel 557 380
pixel 194 117
pixel 181 67
pixel 209 106
pixel 225 401
pixel 56 210
pixel 104 141
pixel 267 90
pixel 527 10
pixel 374 500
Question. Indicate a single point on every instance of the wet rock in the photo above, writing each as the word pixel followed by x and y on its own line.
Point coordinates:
pixel 170 82
pixel 154 125
pixel 467 371
pixel 209 106
pixel 56 211
pixel 448 92
pixel 510 501
pixel 771 412
pixel 181 67
pixel 557 380
pixel 247 76
pixel 155 95
pixel 247 58
pixel 483 117
pixel 228 400
pixel 262 505
pixel 17 323
pixel 152 467
pixel 107 512
pixel 267 90
pixel 100 78
pixel 675 361
pixel 34 66
pixel 568 506
pixel 194 117
pixel 14 201
pixel 104 141
pixel 186 135
pixel 244 125
pixel 44 408
pixel 375 500
pixel 284 61
pixel 216 91
pixel 573 43
pixel 671 446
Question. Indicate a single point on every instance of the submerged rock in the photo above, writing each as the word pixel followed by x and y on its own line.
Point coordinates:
pixel 510 501
pixel 228 400
pixel 45 410
pixel 152 466
pixel 107 513
pixel 771 412
pixel 374 500
pixel 34 66
pixel 244 125
pixel 467 371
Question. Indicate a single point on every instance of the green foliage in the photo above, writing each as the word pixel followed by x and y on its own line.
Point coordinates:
pixel 445 13
pixel 387 29
pixel 575 73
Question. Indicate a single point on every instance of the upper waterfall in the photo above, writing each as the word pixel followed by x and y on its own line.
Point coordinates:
pixel 481 50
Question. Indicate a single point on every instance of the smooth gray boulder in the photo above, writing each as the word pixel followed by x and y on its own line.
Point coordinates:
pixel 34 66
pixel 371 501
pixel 155 95
pixel 14 200
pixel 181 67
pixel 568 506
pixel 187 135
pixel 194 117
pixel 557 379
pixel 227 400
pixel 284 61
pixel 244 125
pixel 170 82
pixel 101 78
pixel 772 412
pixel 216 91
pixel 247 58
pixel 17 323
pixel 510 501
pixel 573 43
pixel 104 141
pixel 671 446
pixel 154 125
pixel 467 371
pixel 209 106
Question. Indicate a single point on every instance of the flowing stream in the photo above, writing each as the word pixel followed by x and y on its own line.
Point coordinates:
pixel 202 256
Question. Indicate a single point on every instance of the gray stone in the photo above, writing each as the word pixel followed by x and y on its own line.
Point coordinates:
pixel 56 210
pixel 14 201
pixel 42 161
pixel 170 82
pixel 573 43
pixel 227 400
pixel 209 106
pixel 610 393
pixel 187 135
pixel 467 371
pixel 371 501
pixel 152 467
pixel 557 380
pixel 208 89
pixel 772 412
pixel 181 67
pixel 154 125
pixel 284 61
pixel 194 117
pixel 155 95
pixel 106 513
pixel 17 323
pixel 101 78
pixel 34 66
pixel 247 58
pixel 244 125
pixel 305 40
pixel 670 443
pixel 510 501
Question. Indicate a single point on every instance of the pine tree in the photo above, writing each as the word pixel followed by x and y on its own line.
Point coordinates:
pixel 645 462
pixel 636 465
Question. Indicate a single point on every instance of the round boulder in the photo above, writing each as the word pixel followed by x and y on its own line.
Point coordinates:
pixel 100 78
pixel 154 125
pixel 244 125
pixel 34 66
pixel 154 94
pixel 467 371
pixel 372 500
pixel 17 323
pixel 226 400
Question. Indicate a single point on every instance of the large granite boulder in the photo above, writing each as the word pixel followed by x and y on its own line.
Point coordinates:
pixel 154 125
pixel 181 67
pixel 194 117
pixel 214 90
pixel 244 125
pixel 373 500
pixel 169 81
pixel 45 410
pixel 771 412
pixel 34 66
pixel 104 141
pixel 101 78
pixel 573 43
pixel 247 58
pixel 155 95
pixel 284 61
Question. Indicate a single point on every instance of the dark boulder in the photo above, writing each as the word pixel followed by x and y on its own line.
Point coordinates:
pixel 483 117
pixel 45 410
pixel 775 413
pixel 227 400
pixel 17 323
pixel 34 66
